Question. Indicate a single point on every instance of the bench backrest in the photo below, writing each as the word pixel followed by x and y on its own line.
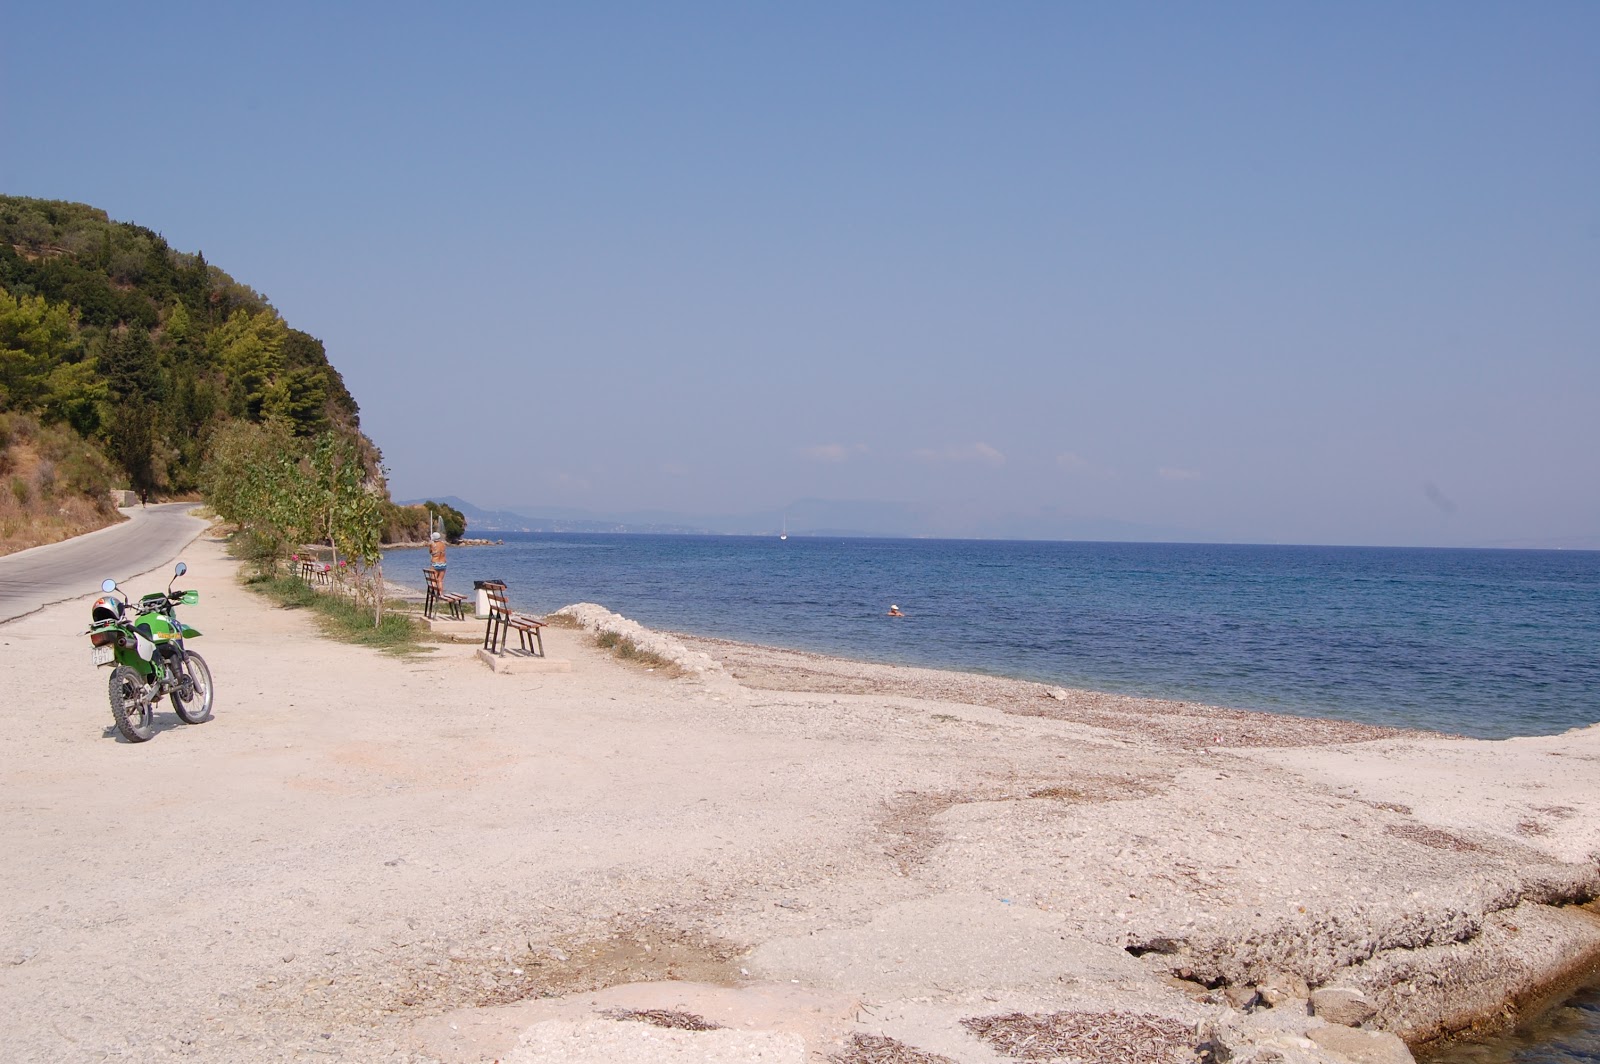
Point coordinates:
pixel 435 578
pixel 497 598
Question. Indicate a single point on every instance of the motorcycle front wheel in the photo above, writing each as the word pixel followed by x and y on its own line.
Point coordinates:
pixel 130 705
pixel 192 699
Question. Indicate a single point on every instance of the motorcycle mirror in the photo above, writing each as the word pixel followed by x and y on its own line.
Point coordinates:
pixel 180 570
pixel 108 584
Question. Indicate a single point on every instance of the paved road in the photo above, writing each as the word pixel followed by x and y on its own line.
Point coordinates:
pixel 153 538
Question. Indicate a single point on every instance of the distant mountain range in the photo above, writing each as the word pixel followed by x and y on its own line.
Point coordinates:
pixel 836 518
pixel 480 520
pixel 819 517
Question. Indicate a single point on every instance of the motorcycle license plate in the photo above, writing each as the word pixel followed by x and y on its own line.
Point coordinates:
pixel 102 655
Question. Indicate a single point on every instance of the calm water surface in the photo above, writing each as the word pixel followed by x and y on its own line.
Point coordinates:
pixel 1483 643
pixel 1569 1034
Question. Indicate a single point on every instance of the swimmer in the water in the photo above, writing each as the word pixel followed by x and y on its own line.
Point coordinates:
pixel 894 611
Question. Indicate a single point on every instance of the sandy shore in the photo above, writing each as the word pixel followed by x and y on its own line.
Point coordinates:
pixel 367 859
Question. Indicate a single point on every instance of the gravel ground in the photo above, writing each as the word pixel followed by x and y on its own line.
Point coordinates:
pixel 371 859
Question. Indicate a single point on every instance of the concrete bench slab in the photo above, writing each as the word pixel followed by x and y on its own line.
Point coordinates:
pixel 513 661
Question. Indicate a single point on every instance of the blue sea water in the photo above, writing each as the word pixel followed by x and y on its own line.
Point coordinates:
pixel 1568 1034
pixel 1487 643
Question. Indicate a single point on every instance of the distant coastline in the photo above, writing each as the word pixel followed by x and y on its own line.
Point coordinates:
pixel 824 518
pixel 418 544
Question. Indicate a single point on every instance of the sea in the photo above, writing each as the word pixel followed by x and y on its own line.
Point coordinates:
pixel 1483 643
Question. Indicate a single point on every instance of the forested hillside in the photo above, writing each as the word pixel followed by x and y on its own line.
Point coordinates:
pixel 122 359
pixel 106 328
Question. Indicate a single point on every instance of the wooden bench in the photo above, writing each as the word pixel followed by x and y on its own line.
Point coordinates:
pixel 502 619
pixel 437 594
pixel 315 572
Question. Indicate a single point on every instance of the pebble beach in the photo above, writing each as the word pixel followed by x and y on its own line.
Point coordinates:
pixel 754 855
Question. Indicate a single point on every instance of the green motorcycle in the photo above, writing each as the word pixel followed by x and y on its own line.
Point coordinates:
pixel 143 642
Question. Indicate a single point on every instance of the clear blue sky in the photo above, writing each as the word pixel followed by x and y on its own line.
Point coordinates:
pixel 1259 272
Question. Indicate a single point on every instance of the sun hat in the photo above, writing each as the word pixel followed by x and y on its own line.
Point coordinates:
pixel 437 536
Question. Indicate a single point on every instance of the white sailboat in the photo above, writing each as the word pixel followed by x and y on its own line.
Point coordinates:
pixel 785 533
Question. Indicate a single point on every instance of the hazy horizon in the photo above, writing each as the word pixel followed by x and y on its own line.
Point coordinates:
pixel 852 518
pixel 1300 275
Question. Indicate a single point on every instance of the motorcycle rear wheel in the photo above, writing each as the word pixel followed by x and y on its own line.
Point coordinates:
pixel 130 705
pixel 196 708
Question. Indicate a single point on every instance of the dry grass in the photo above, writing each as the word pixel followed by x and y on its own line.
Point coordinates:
pixel 878 1049
pixel 53 485
pixel 624 649
pixel 1087 1037
pixel 27 526
pixel 678 1021
pixel 33 509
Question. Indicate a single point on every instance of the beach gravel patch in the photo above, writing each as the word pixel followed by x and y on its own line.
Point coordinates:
pixel 680 1021
pixel 1087 1037
pixel 879 1049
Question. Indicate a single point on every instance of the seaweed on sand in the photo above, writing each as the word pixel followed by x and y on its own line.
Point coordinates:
pixel 1087 1037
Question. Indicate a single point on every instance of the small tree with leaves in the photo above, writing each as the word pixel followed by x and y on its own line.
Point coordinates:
pixel 347 510
pixel 253 479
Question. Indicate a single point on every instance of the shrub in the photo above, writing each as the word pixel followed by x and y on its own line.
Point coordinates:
pixel 78 465
pixel 45 477
pixel 342 618
pixel 625 649
pixel 404 524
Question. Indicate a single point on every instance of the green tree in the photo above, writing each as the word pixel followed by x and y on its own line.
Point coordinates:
pixel 130 367
pixel 249 348
pixel 35 337
pixel 454 521
pixel 76 394
pixel 132 445
pixel 253 479
pixel 131 417
pixel 347 510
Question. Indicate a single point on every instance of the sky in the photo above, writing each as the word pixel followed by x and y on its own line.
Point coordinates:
pixel 1252 272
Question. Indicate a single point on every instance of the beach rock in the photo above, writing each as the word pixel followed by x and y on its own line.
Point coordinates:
pixel 1341 1005
pixel 1058 693
pixel 598 619
pixel 1243 998
pixel 1282 988
pixel 1362 1047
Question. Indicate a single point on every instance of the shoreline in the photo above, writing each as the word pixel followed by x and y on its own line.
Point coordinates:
pixel 425 860
pixel 1361 715
pixel 1503 996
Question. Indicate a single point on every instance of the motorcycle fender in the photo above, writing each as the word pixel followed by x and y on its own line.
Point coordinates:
pixel 129 657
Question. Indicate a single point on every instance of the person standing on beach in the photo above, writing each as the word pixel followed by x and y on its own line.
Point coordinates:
pixel 436 551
